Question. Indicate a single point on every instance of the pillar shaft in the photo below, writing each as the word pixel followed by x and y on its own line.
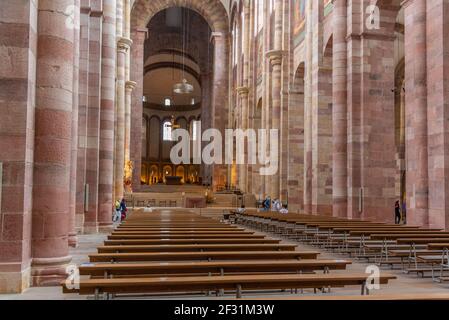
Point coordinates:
pixel 416 111
pixel 120 128
pixel 17 106
pixel 137 51
pixel 74 150
pixel 108 71
pixel 339 108
pixel 275 56
pixel 308 114
pixel 219 95
pixel 52 156
pixel 92 142
pixel 82 118
pixel 437 107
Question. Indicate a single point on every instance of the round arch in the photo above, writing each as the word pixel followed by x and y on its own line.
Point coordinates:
pixel 389 10
pixel 212 11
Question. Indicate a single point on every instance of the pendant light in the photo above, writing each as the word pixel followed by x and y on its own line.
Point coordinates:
pixel 183 87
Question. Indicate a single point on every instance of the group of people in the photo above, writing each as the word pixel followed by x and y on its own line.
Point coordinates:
pixel 120 211
pixel 274 205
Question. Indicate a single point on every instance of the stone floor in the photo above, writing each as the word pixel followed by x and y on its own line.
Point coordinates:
pixel 404 284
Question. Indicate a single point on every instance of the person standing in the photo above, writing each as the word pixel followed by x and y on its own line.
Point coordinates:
pixel 123 209
pixel 118 214
pixel 397 213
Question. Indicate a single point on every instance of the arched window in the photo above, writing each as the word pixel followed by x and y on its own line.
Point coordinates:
pixel 167 102
pixel 195 129
pixel 167 131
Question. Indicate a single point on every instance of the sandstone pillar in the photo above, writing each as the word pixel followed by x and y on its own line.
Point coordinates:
pixel 18 27
pixel 437 104
pixel 82 117
pixel 137 52
pixel 275 57
pixel 219 94
pixel 53 122
pixel 108 71
pixel 354 74
pixel 244 92
pixel 416 112
pixel 339 111
pixel 308 113
pixel 73 239
pixel 373 133
pixel 92 142
pixel 123 45
pixel 129 87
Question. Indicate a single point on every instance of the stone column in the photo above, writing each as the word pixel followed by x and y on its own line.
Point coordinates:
pixel 137 51
pixel 244 92
pixel 339 111
pixel 416 112
pixel 73 239
pixel 243 168
pixel 275 57
pixel 18 29
pixel 219 94
pixel 53 141
pixel 374 120
pixel 437 48
pixel 92 141
pixel 108 71
pixel 82 117
pixel 129 87
pixel 123 45
pixel 308 113
pixel 287 72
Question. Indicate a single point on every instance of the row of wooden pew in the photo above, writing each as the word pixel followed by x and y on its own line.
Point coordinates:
pixel 412 248
pixel 184 253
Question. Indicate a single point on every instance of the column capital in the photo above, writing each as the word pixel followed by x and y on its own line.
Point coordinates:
pixel 124 44
pixel 242 91
pixel 130 85
pixel 216 35
pixel 275 56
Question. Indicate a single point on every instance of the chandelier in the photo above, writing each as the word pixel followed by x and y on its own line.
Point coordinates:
pixel 183 87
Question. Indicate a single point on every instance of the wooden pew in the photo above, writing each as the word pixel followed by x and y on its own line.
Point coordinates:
pixel 214 268
pixel 217 283
pixel 196 247
pixel 187 236
pixel 194 255
pixel 180 233
pixel 188 241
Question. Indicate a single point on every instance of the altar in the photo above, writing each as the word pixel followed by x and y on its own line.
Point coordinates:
pixel 173 181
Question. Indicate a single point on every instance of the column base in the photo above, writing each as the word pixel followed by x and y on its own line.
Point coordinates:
pixel 105 227
pixel 15 282
pixel 90 228
pixel 47 272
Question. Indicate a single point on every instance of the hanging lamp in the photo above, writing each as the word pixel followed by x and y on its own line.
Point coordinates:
pixel 183 87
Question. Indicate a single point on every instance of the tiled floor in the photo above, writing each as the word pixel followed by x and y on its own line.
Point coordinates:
pixel 404 284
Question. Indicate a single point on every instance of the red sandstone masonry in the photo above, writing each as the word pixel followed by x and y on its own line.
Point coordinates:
pixel 107 113
pixel 93 119
pixel 52 156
